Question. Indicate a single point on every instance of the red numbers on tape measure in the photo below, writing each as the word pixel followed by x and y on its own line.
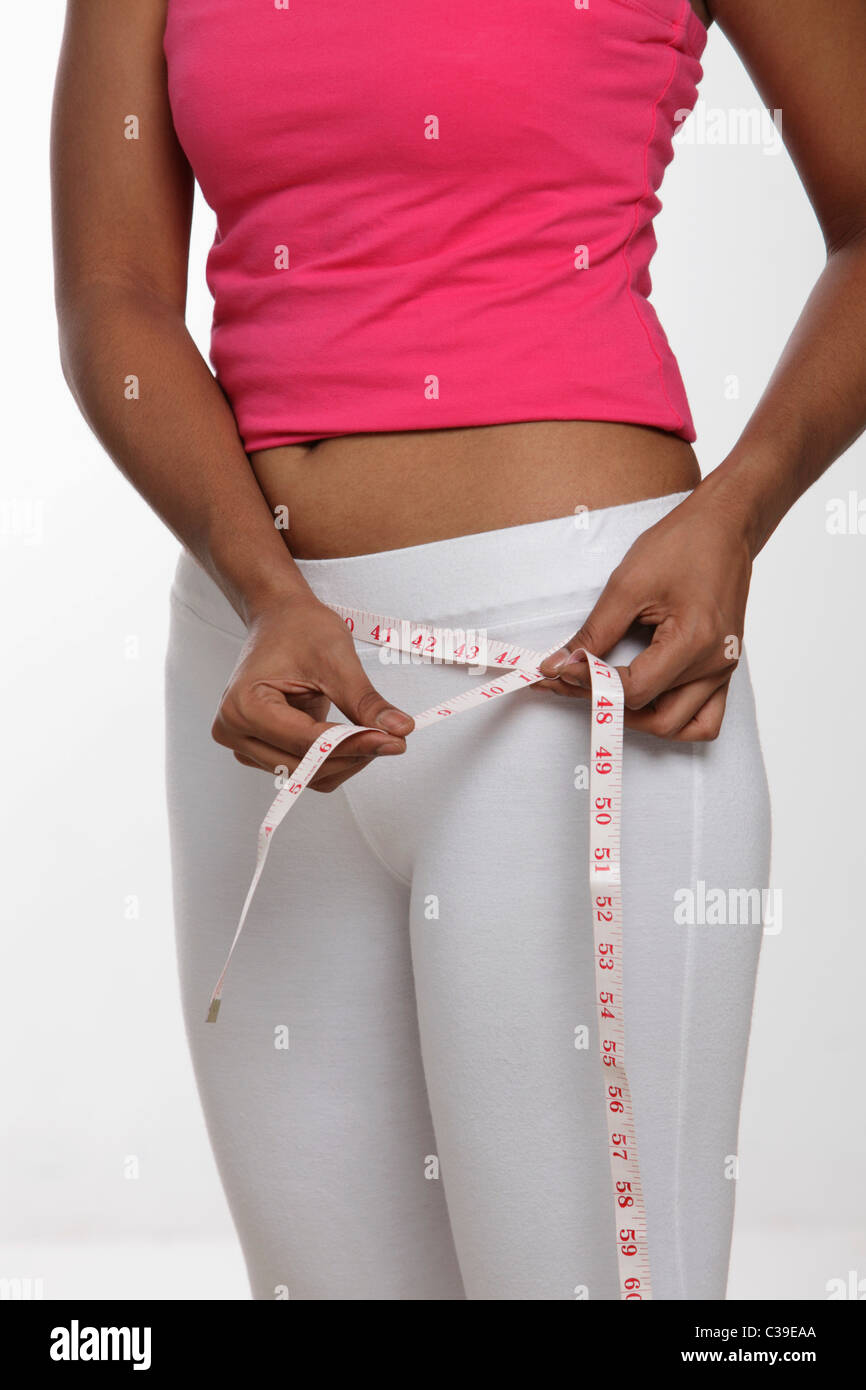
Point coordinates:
pixel 603 764
pixel 628 1237
pixel 602 810
pixel 603 710
pixel 602 859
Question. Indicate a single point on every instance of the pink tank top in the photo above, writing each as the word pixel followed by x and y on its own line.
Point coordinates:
pixel 434 213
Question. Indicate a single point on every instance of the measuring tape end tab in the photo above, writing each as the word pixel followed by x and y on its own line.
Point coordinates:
pixel 213 1011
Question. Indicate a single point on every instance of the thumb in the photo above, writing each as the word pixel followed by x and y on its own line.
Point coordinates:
pixel 609 620
pixel 361 702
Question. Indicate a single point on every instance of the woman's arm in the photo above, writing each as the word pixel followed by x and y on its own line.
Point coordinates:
pixel 122 210
pixel 689 575
pixel 810 61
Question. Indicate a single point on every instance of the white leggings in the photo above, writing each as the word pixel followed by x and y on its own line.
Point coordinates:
pixel 435 1127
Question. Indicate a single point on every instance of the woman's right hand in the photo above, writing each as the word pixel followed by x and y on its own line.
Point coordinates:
pixel 299 657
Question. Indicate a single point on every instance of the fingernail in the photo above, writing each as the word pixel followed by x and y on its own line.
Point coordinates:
pixel 574 670
pixel 557 660
pixel 384 748
pixel 392 720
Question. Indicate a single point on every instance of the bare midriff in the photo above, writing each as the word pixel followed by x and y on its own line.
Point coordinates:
pixel 362 493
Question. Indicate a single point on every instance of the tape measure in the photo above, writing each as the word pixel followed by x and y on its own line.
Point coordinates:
pixel 517 667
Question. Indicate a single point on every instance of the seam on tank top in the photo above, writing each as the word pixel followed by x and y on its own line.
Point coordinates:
pixel 682 20
pixel 235 636
pixel 398 877
pixel 677 27
pixel 697 832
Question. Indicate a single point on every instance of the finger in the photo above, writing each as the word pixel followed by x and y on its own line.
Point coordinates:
pixel 319 783
pixel 250 762
pixel 698 707
pixel 330 784
pixel 563 686
pixel 263 714
pixel 361 702
pixel 682 649
pixel 707 722
pixel 609 620
pixel 691 712
pixel 275 760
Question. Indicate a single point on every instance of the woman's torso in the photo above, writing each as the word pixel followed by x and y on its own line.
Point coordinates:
pixel 362 493
pixel 431 267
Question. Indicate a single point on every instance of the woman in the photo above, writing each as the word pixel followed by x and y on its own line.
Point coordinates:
pixel 441 394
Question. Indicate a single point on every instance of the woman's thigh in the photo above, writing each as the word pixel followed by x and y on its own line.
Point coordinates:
pixel 311 1081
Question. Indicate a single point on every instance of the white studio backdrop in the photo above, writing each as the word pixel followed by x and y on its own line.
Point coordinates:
pixel 108 1185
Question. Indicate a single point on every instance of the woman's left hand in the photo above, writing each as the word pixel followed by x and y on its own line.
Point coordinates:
pixel 688 577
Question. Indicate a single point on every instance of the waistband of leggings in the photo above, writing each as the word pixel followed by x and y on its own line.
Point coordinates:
pixel 513 572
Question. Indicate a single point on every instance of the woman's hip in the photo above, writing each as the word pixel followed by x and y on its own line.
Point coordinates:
pixel 532 585
pixel 503 576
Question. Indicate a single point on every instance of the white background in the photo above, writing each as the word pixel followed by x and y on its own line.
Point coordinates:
pixel 95 1067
